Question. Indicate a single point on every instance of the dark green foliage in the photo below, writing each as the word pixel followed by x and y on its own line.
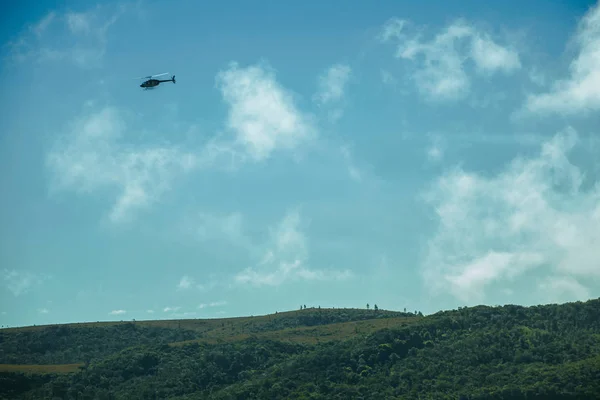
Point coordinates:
pixel 511 352
pixel 12 384
pixel 65 344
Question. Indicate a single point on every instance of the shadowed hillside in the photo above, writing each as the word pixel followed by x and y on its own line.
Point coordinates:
pixel 510 352
pixel 75 343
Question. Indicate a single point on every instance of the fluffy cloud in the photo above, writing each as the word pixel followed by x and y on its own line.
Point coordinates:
pixel 353 171
pixel 21 282
pixel 220 303
pixel 490 57
pixel 79 23
pixel 117 312
pixel 185 283
pixel 537 214
pixel 561 289
pixel 332 84
pixel 435 151
pixel 42 25
pixel 440 71
pixel 286 258
pixel 580 92
pixel 183 315
pixel 77 37
pixel 91 157
pixel 262 114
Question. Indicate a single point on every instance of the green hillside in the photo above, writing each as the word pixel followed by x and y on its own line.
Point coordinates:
pixel 509 352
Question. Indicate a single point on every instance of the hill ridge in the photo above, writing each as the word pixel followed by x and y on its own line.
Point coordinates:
pixel 480 352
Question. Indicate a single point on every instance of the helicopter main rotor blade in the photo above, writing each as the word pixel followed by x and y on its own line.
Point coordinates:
pixel 152 76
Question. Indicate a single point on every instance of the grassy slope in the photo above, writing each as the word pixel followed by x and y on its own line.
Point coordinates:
pixel 307 326
pixel 310 334
pixel 240 324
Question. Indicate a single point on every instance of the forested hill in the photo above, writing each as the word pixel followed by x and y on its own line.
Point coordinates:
pixel 509 352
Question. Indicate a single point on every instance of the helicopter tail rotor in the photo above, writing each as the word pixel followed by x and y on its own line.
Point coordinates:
pixel 173 78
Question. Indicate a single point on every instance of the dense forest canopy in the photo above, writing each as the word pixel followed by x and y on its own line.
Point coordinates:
pixel 508 352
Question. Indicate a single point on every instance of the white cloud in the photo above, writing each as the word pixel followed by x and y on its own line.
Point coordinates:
pixel 286 258
pixel 184 314
pixel 77 37
pixel 91 157
pixel 43 311
pixel 213 304
pixel 392 29
pixel 21 282
pixel 534 215
pixel 353 170
pixel 40 28
pixel 580 92
pixel 440 74
pixel 150 311
pixel 185 283
pixel 560 289
pixel 167 309
pixel 331 90
pixel 117 312
pixel 332 84
pixel 79 23
pixel 435 151
pixel 262 113
pixel 489 57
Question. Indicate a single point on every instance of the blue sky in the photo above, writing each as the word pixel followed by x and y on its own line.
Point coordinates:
pixel 410 155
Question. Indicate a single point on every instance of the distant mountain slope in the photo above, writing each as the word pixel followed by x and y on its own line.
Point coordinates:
pixel 78 343
pixel 510 352
pixel 65 344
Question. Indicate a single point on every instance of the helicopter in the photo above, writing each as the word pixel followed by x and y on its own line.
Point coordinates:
pixel 152 82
